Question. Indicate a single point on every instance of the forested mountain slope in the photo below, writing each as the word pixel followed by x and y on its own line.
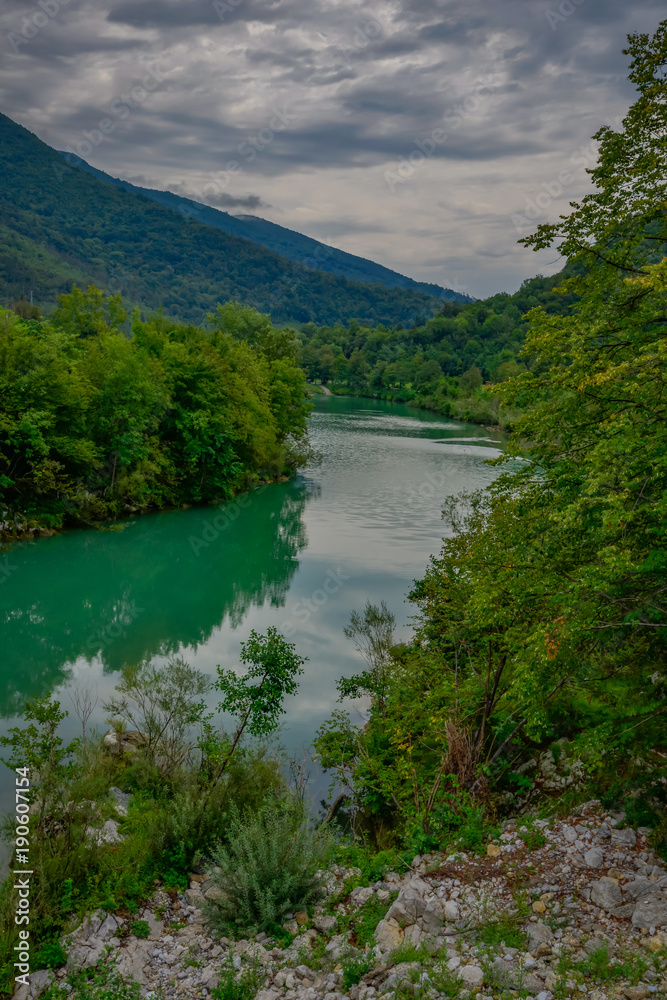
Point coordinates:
pixel 295 246
pixel 59 226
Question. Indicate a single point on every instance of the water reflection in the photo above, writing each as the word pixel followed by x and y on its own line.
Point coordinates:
pixel 162 583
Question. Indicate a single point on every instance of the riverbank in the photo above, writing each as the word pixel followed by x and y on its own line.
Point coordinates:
pixel 480 407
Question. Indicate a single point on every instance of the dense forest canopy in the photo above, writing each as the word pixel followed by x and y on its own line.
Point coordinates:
pixel 94 423
pixel 441 364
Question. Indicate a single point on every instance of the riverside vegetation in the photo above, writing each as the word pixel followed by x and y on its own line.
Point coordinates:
pixel 96 424
pixel 535 682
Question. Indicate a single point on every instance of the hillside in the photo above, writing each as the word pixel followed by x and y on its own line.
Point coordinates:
pixel 59 226
pixel 295 246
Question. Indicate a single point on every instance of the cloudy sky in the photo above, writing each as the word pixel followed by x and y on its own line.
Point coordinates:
pixel 428 135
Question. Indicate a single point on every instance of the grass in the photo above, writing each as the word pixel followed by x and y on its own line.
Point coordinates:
pixel 354 968
pixel 101 983
pixel 505 929
pixel 533 838
pixel 242 985
pixel 362 924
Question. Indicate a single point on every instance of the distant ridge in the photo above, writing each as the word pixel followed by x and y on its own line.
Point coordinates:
pixel 61 225
pixel 288 243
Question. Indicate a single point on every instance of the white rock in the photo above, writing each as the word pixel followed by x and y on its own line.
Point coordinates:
pixel 471 974
pixel 594 857
pixel 388 935
pixel 452 911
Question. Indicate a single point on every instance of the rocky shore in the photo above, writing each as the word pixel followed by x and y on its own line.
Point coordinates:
pixel 573 908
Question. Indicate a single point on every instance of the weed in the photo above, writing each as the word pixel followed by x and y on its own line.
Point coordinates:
pixel 354 968
pixel 601 966
pixel 533 837
pixel 104 982
pixel 50 955
pixel 363 923
pixel 140 928
pixel 243 985
pixel 506 929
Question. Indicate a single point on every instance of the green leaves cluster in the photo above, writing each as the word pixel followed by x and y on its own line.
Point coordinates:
pixel 94 422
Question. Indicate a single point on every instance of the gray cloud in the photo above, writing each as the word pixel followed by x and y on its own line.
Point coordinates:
pixel 361 87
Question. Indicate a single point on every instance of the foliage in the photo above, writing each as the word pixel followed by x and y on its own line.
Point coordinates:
pixel 140 928
pixel 94 423
pixel 442 365
pixel 161 703
pixel 543 617
pixel 354 967
pixel 269 866
pixel 373 637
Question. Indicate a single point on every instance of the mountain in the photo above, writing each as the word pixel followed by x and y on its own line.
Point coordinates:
pixel 60 225
pixel 296 247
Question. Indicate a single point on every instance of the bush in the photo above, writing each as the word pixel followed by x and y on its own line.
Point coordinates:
pixel 140 928
pixel 268 867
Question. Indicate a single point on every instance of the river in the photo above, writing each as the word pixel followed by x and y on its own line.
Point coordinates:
pixel 301 555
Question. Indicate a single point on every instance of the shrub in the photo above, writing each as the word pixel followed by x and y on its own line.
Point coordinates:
pixel 140 928
pixel 267 868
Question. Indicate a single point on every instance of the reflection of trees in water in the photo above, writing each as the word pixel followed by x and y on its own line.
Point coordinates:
pixel 127 595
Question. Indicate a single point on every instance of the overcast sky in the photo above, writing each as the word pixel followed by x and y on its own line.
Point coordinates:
pixel 407 131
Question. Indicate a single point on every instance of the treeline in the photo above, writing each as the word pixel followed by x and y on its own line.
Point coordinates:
pixel 95 423
pixel 441 364
pixel 539 660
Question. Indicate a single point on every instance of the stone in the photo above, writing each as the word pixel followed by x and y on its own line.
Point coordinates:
pixel 108 834
pixel 133 960
pixel 155 926
pixel 506 975
pixel 408 908
pixel 413 935
pixel 301 918
pixel 539 934
pixel 655 943
pixel 624 838
pixel 539 907
pixel 570 834
pixel 493 850
pixel 594 857
pixel 194 897
pixel 471 974
pixel 267 995
pixel 388 934
pixel 324 923
pixel 650 912
pixel 606 894
pixel 635 992
pixel 452 911
pixel 360 895
pixel 122 800
pixel 214 894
